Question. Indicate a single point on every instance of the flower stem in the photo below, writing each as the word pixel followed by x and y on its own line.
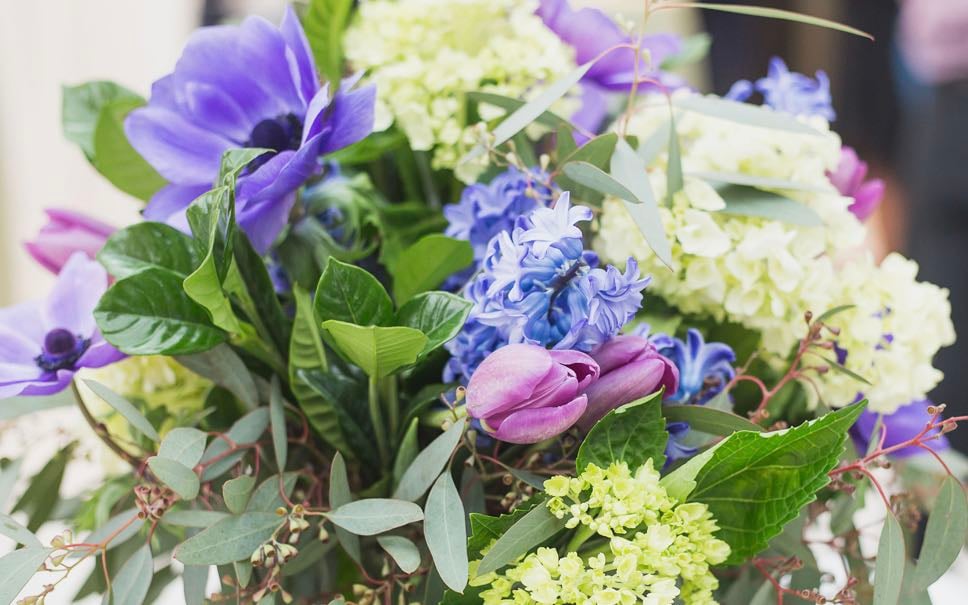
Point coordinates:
pixel 581 536
pixel 100 430
pixel 376 415
pixel 393 407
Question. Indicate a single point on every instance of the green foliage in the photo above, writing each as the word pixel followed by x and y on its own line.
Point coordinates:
pixel 628 169
pixel 82 104
pixel 339 494
pixel 755 483
pixel 633 433
pixel 427 263
pixel 747 201
pixel 223 366
pixel 597 152
pixel 267 497
pixel 890 563
pixel 531 530
pixel 130 585
pixel 429 463
pixel 145 246
pixel 439 315
pixel 404 552
pixel 324 22
pixel 783 15
pixel 247 430
pixel 547 118
pixel 347 293
pixel 708 419
pixel 17 568
pixel 234 538
pixel 124 407
pixel 181 479
pixel 375 515
pixel 744 113
pixel 18 533
pixel 236 493
pixel 115 158
pixel 378 351
pixel 944 536
pixel 42 495
pixel 445 532
pixel 277 421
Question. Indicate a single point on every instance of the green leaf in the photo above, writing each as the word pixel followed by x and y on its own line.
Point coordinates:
pixel 709 420
pixel 427 263
pixel 193 518
pixel 597 179
pixel 485 529
pixel 439 315
pixel 403 551
pixel 9 472
pixel 231 539
pixel 889 567
pixel 42 495
pixel 446 533
pixel 718 179
pixel 747 201
pixel 547 118
pixel 944 536
pixel 194 580
pixel 124 407
pixel 81 105
pixel 245 431
pixel 130 585
pixel 149 314
pixel 374 515
pixel 277 420
pixel 429 463
pixel 223 366
pixel 268 496
pixel 674 179
pixel 531 530
pixel 744 113
pixel 841 369
pixel 633 433
pixel 324 23
pixel 826 315
pixel 18 533
pixel 236 493
pixel 694 49
pixel 680 482
pixel 116 159
pixel 243 572
pixel 175 475
pixel 597 152
pixel 340 494
pixel 378 351
pixel 407 452
pixel 119 528
pixel 783 15
pixel 147 245
pixel 629 170
pixel 349 294
pixel 17 568
pixel 257 296
pixel 756 483
pixel 183 445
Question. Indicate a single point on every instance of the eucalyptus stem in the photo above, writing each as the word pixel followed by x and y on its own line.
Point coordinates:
pixel 376 415
pixel 100 430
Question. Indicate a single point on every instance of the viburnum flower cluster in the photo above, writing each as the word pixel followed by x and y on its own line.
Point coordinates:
pixel 659 549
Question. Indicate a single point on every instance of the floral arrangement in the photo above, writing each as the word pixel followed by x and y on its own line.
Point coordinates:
pixel 477 301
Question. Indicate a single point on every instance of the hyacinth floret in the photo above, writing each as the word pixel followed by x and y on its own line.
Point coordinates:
pixel 659 549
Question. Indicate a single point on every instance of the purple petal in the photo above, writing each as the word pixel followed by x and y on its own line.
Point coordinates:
pixel 25 319
pixel 16 347
pixel 584 368
pixel 295 37
pixel 214 110
pixel 349 118
pixel 179 150
pixel 534 425
pixel 169 204
pixel 591 114
pixel 624 385
pixel 78 289
pixel 505 378
pixel 619 351
pixel 100 355
pixel 263 51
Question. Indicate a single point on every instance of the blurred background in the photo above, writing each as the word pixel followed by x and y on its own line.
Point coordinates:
pixel 902 102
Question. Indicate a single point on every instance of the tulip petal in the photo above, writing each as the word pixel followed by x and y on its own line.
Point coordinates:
pixel 620 351
pixel 534 425
pixel 624 385
pixel 506 378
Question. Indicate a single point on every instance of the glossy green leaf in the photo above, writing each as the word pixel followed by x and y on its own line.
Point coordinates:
pixel 256 295
pixel 349 294
pixel 236 493
pixel 889 566
pixel 175 475
pixel 232 539
pixel 709 420
pixel 680 482
pixel 268 496
pixel 81 106
pixel 277 423
pixel 124 407
pixel 439 315
pixel 194 518
pixel 116 159
pixel 427 263
pixel 17 568
pixel 548 118
pixel 147 245
pixel 629 170
pixel 149 314
pixel 944 536
pixel 446 533
pixel 212 220
pixel 340 494
pixel 247 430
pixel 130 585
pixel 324 22
pixel 632 433
pixel 374 515
pixel 223 366
pixel 783 15
pixel 403 551
pixel 756 483
pixel 530 531
pixel 378 351
pixel 183 445
pixel 744 113
pixel 747 201
pixel 429 463
pixel 18 533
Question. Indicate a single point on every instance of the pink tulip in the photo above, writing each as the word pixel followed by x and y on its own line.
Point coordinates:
pixel 631 368
pixel 65 233
pixel 524 393
pixel 850 180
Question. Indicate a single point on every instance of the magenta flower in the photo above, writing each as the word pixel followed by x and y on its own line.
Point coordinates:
pixel 903 425
pixel 65 233
pixel 849 179
pixel 524 393
pixel 631 368
pixel 251 85
pixel 43 345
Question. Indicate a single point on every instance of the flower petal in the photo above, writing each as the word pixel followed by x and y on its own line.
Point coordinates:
pixel 534 425
pixel 180 151
pixel 78 289
pixel 505 378
pixel 623 385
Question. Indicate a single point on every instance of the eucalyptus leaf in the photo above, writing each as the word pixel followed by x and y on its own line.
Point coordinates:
pixel 130 585
pixel 428 464
pixel 43 492
pixel 548 118
pixel 597 179
pixel 223 366
pixel 427 263
pixel 194 581
pixel 183 445
pixel 119 528
pixel 232 539
pixel 531 530
pixel 193 518
pixel 629 170
pixel 889 570
pixel 744 113
pixel 17 568
pixel 597 152
pixel 747 201
pixel 124 407
pixel 340 494
pixel 783 15
pixel 18 533
pixel 633 433
pixel 446 533
pixel 379 351
pixel 246 431
pixel 268 496
pixel 374 515
pixel 944 536
pixel 403 551
pixel 277 420
pixel 236 493
pixel 147 245
pixel 175 475
pixel 674 179
pixel 759 182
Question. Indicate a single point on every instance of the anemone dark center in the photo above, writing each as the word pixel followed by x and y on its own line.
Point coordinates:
pixel 62 349
pixel 281 133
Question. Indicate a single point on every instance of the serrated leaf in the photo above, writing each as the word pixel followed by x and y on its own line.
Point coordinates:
pixel 533 529
pixel 246 430
pixel 747 201
pixel 709 420
pixel 236 493
pixel 889 567
pixel 375 515
pixel 632 433
pixel 680 482
pixel 194 518
pixel 429 463
pixel 340 494
pixel 743 113
pixel 756 483
pixel 124 407
pixel 350 294
pixel 18 533
pixel 147 245
pixel 628 169
pixel 277 421
pixel 379 351
pixel 445 532
pixel 130 585
pixel 183 445
pixel 175 475
pixel 944 536
pixel 116 159
pixel 17 568
pixel 403 551
pixel 439 315
pixel 231 539
pixel 427 263
pixel 783 15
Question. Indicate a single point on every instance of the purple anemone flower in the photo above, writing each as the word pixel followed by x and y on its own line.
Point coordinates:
pixel 789 91
pixel 43 345
pixel 903 425
pixel 850 179
pixel 251 85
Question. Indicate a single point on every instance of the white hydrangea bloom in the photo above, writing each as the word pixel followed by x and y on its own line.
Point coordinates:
pixel 765 274
pixel 423 55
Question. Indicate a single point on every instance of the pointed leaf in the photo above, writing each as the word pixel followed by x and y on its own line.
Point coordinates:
pixel 231 539
pixel 709 420
pixel 889 569
pixel 236 493
pixel 429 463
pixel 130 585
pixel 548 118
pixel 340 494
pixel 183 445
pixel 629 170
pixel 375 515
pixel 747 201
pixel 175 475
pixel 783 15
pixel 595 178
pixel 277 418
pixel 674 179
pixel 247 430
pixel 194 581
pixel 403 551
pixel 532 530
pixel 116 159
pixel 147 245
pixel 17 568
pixel 378 351
pixel 223 366
pixel 680 482
pixel 439 315
pixel 350 294
pixel 743 113
pixel 944 536
pixel 124 407
pixel 427 263
pixel 632 433
pixel 324 23
pixel 446 533
pixel 18 533
pixel 268 496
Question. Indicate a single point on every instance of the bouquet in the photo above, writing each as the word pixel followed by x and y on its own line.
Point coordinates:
pixel 477 301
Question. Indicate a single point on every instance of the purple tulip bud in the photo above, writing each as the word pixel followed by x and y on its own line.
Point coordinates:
pixel 524 393
pixel 850 180
pixel 65 233
pixel 903 425
pixel 631 369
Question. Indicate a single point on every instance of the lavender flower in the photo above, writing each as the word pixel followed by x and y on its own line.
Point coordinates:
pixel 790 92
pixel 903 425
pixel 43 345
pixel 65 233
pixel 252 85
pixel 850 179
